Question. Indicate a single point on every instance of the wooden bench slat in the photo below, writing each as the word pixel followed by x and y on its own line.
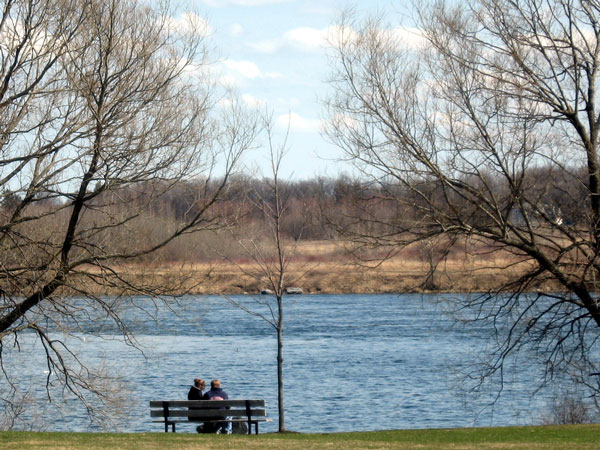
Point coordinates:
pixel 254 419
pixel 205 403
pixel 209 413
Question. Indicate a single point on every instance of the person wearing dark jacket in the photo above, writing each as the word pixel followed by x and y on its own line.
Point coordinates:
pixel 195 393
pixel 217 393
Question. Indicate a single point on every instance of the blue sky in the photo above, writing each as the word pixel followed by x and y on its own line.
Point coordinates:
pixel 274 53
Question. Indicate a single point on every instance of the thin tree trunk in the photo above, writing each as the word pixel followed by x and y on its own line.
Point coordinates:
pixel 280 365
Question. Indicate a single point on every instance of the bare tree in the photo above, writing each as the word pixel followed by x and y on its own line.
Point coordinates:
pixel 270 254
pixel 568 408
pixel 104 106
pixel 469 124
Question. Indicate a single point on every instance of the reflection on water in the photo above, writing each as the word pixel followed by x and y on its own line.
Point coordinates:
pixel 344 355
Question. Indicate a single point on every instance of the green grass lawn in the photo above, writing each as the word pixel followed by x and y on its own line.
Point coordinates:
pixel 546 437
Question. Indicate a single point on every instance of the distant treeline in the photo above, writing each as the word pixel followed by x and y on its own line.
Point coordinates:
pixel 315 209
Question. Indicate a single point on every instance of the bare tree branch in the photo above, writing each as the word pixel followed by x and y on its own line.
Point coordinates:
pixel 487 133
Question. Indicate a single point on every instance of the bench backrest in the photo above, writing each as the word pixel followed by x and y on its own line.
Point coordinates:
pixel 207 408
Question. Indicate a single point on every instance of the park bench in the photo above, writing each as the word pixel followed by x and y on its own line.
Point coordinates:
pixel 178 411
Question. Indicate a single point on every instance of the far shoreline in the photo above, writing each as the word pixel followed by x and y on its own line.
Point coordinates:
pixel 330 277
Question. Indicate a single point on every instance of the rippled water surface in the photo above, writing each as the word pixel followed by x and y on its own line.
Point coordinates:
pixel 346 356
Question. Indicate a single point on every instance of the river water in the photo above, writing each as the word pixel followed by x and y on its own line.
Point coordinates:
pixel 345 356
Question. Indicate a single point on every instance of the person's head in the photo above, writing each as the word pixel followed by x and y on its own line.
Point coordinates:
pixel 199 383
pixel 215 384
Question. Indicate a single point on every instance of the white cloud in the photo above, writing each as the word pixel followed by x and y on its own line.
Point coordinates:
pixel 223 3
pixel 252 101
pixel 228 81
pixel 297 123
pixel 311 39
pixel 190 23
pixel 336 34
pixel 235 30
pixel 267 46
pixel 306 39
pixel 248 69
pixel 411 38
pixel 342 121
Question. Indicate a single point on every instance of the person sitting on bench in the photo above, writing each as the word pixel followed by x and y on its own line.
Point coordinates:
pixel 195 393
pixel 216 393
pixel 196 389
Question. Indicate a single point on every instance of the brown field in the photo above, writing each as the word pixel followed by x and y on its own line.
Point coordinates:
pixel 323 267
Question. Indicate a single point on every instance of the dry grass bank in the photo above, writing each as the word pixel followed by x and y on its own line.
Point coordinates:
pixel 323 267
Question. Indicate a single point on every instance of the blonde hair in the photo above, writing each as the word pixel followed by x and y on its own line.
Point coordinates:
pixel 199 383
